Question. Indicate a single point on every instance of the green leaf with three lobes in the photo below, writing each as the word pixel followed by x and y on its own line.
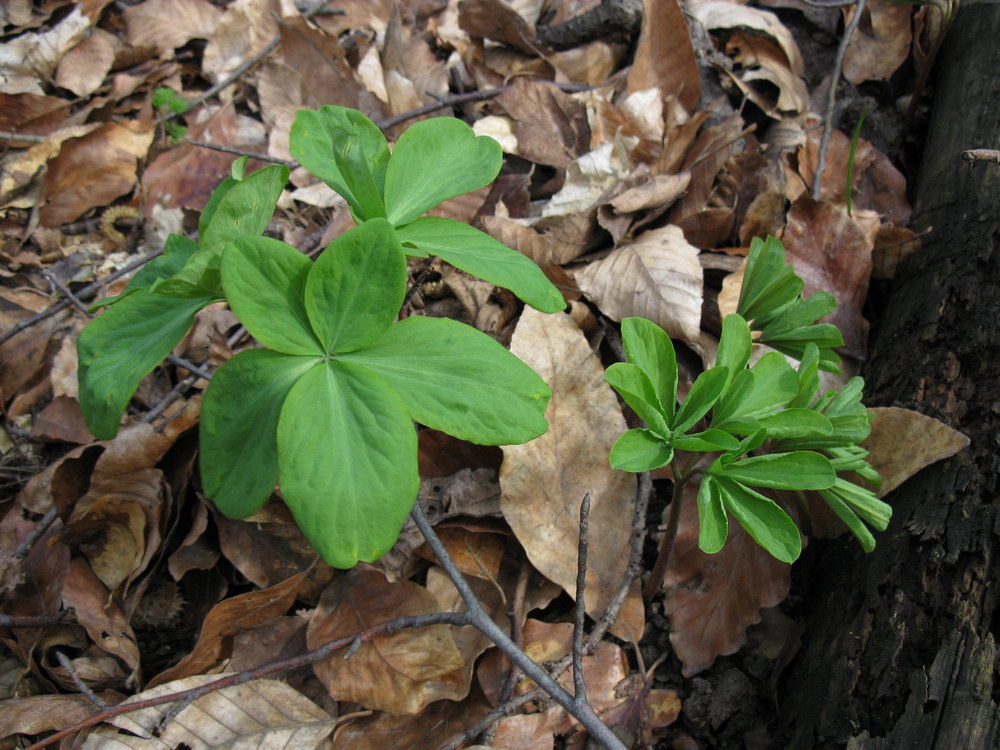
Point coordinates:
pixel 434 160
pixel 456 379
pixel 351 502
pixel 713 523
pixel 634 387
pixel 640 450
pixel 347 151
pixel 246 208
pixel 800 470
pixel 762 519
pixel 177 250
pixel 356 287
pixel 705 390
pixel 239 422
pixel 484 257
pixel 122 346
pixel 648 347
pixel 265 283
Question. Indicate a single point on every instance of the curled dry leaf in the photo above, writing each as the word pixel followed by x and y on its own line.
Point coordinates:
pixel 903 442
pixel 657 276
pixel 661 190
pixel 543 482
pixel 168 24
pixel 711 600
pixel 225 621
pixel 259 714
pixel 400 673
pixel 245 28
pixel 664 57
pixel 590 178
pixel 550 126
pixel 93 170
pixel 830 251
pixel 880 44
pixel 30 59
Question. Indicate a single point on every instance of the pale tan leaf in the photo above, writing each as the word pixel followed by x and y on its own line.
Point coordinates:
pixel 83 68
pixel 543 482
pixel 29 60
pixel 400 673
pixel 661 190
pixel 880 44
pixel 42 713
pixel 590 178
pixel 245 28
pixel 264 714
pixel 711 600
pixel 718 14
pixel 657 276
pixel 167 24
pixel 903 442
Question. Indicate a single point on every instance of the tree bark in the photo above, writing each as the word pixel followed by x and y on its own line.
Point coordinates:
pixel 901 648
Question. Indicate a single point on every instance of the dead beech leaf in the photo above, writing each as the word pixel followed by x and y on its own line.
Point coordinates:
pixel 474 553
pixel 168 24
pixel 258 714
pixel 711 600
pixel 141 446
pixel 903 442
pixel 266 547
pixel 399 673
pixel 881 43
pixel 664 57
pixel 30 59
pixel 661 190
pixel 497 20
pixel 225 621
pixel 94 170
pixel 43 713
pixel 657 276
pixel 550 126
pixel 543 482
pixel 830 251
pixel 718 14
pixel 589 179
pixel 892 244
pixel 83 69
pixel 244 29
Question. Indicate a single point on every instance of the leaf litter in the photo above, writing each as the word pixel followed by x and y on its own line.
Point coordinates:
pixel 635 180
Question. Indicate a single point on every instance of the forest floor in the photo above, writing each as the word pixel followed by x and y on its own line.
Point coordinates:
pixel 638 165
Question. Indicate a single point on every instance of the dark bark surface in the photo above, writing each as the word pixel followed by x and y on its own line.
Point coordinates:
pixel 901 645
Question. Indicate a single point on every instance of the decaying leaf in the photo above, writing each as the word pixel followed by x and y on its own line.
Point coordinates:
pixel 881 43
pixel 903 442
pixel 657 276
pixel 664 57
pixel 544 481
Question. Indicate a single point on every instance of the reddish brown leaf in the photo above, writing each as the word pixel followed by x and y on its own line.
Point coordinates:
pixel 550 126
pixel 664 57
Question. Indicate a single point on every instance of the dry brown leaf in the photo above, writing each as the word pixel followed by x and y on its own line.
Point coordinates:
pixel 718 14
pixel 94 170
pixel 544 481
pixel 657 276
pixel 167 24
pixel 30 59
pixel 831 252
pixel 195 552
pixel 497 20
pixel 43 713
pixel 590 179
pixel 225 620
pixel 83 69
pixel 590 64
pixel 661 190
pixel 705 158
pixel 664 57
pixel 31 113
pixel 881 42
pixel 892 244
pixel 550 126
pixel 903 442
pixel 399 673
pixel 61 421
pixel 261 714
pixel 475 554
pixel 143 445
pixel 102 619
pixel 245 28
pixel 711 600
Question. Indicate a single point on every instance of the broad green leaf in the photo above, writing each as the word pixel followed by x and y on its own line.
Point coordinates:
pixel 767 282
pixel 648 346
pixel 213 203
pixel 484 257
pixel 638 451
pixel 709 440
pixel 796 423
pixel 704 392
pixel 713 524
pixel 238 430
pixel 434 160
pixel 265 281
pixel 763 520
pixel 344 149
pixel 458 380
pixel 734 345
pixel 850 519
pixel 801 470
pixel 774 383
pixel 351 497
pixel 201 276
pixel 177 250
pixel 356 287
pixel 634 387
pixel 123 345
pixel 246 208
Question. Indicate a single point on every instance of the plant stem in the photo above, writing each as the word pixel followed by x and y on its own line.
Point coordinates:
pixel 655 580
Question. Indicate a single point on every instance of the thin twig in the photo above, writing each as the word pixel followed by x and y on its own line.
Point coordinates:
pixel 579 709
pixel 38 621
pixel 191 367
pixel 22 550
pixel 659 570
pixel 170 398
pixel 240 152
pixel 8 135
pixel 66 292
pixel 580 610
pixel 831 95
pixel 88 291
pixel 80 684
pixel 982 154
pixel 239 678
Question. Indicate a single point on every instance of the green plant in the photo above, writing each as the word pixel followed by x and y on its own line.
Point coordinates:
pixel 165 98
pixel 743 427
pixel 327 408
